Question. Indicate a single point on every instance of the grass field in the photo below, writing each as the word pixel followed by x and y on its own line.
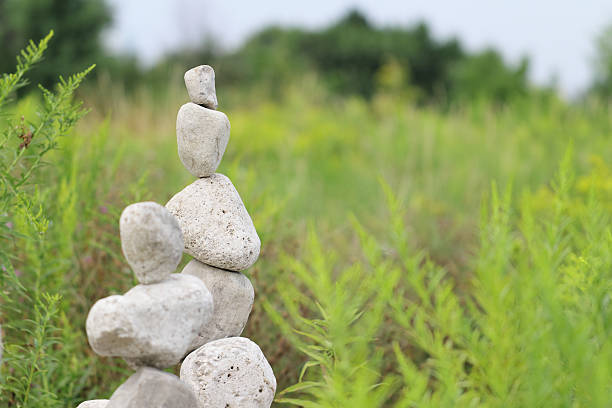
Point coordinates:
pixel 429 258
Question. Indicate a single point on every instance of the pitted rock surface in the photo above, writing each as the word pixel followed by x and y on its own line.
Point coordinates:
pixel 151 240
pixel 233 297
pixel 151 325
pixel 200 83
pixel 150 388
pixel 201 135
pixel 230 373
pixel 216 226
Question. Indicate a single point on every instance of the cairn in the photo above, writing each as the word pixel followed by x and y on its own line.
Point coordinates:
pixel 196 315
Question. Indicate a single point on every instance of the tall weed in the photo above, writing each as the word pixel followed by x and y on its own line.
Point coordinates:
pixel 30 261
pixel 533 330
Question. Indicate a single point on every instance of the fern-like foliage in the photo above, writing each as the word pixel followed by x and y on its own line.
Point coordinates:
pixel 31 55
pixel 531 326
pixel 29 312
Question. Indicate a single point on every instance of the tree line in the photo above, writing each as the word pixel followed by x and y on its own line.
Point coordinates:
pixel 348 57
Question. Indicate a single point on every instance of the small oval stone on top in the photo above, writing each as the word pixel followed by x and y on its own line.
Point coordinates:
pixel 200 83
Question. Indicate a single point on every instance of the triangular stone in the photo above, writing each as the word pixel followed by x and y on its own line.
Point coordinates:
pixel 216 226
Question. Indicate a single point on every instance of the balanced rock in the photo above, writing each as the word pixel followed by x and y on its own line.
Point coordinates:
pixel 99 403
pixel 217 228
pixel 150 388
pixel 151 325
pixel 200 83
pixel 233 297
pixel 201 135
pixel 230 373
pixel 151 240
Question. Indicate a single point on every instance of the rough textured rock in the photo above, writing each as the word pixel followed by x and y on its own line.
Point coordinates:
pixel 151 325
pixel 201 135
pixel 233 297
pixel 151 240
pixel 217 228
pixel 200 83
pixel 99 403
pixel 150 388
pixel 230 373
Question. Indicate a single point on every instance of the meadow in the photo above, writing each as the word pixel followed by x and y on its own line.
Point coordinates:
pixel 412 256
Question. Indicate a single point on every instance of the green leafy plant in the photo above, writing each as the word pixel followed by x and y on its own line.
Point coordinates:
pixel 532 329
pixel 29 307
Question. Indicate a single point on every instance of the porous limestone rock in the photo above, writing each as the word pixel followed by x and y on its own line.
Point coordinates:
pixel 99 403
pixel 150 388
pixel 200 83
pixel 217 228
pixel 230 373
pixel 201 135
pixel 151 240
pixel 233 297
pixel 151 325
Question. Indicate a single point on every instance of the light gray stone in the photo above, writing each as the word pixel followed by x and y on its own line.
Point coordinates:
pixel 230 373
pixel 150 388
pixel 151 325
pixel 233 297
pixel 99 403
pixel 151 240
pixel 202 135
pixel 200 83
pixel 217 228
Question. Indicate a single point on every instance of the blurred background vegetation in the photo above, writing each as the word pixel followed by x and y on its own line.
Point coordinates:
pixel 351 57
pixel 348 56
pixel 366 157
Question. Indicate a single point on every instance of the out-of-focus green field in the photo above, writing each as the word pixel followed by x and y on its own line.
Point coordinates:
pixel 311 158
pixel 314 160
pixel 310 163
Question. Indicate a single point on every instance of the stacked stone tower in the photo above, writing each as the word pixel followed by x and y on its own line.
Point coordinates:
pixel 197 315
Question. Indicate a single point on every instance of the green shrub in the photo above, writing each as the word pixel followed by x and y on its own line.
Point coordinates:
pixel 532 330
pixel 31 268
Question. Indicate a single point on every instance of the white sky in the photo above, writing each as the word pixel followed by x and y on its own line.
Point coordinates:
pixel 558 35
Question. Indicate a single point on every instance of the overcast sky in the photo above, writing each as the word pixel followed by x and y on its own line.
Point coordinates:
pixel 557 35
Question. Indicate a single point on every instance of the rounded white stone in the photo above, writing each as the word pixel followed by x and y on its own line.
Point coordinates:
pixel 217 228
pixel 150 388
pixel 200 83
pixel 99 403
pixel 202 135
pixel 233 297
pixel 151 325
pixel 151 240
pixel 230 373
